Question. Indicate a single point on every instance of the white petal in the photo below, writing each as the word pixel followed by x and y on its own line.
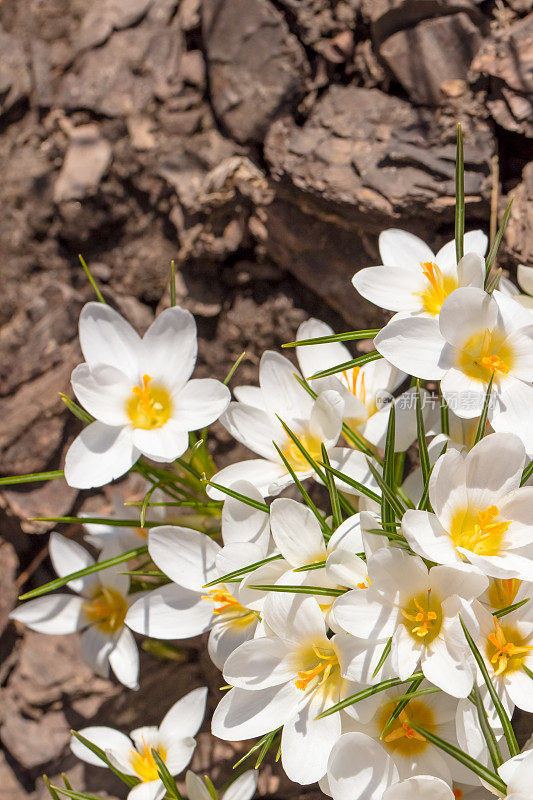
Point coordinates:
pixel 359 768
pixel 67 557
pixel 243 788
pixel 54 613
pixel 317 357
pixel 95 649
pixel 104 738
pixel 226 637
pixel 170 347
pixel 394 573
pixel 106 338
pixel 296 532
pixel 347 536
pixel 325 421
pixel 460 579
pixel 414 345
pixel 447 487
pixel 151 790
pixel 524 277
pixel 282 392
pixel 427 537
pixel 170 612
pixel 196 788
pixel 393 288
pixel 103 391
pixel 494 468
pixel 511 414
pixel 359 658
pixel 518 773
pixel 405 653
pixel 473 242
pixel 520 343
pixel 241 522
pixel 448 668
pixel 99 455
pixel 179 754
pixel 518 687
pixel 420 787
pixel 253 427
pixel 260 663
pixel 185 717
pixel 403 249
pixel 513 315
pixel 243 714
pixel 471 270
pixel 306 742
pixel 363 613
pixel 250 396
pixel 354 465
pixel 464 395
pixel 260 472
pixel 294 618
pixel 186 556
pixel 200 402
pixel 161 444
pixel 124 659
pixel 465 312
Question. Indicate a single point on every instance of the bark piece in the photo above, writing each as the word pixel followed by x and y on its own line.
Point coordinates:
pixel 86 161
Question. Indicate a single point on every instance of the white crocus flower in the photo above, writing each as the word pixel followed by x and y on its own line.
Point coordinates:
pixel 419 609
pixel 507 647
pixel 413 280
pixel 478 337
pixel 98 609
pixel 254 420
pixel 121 538
pixel 139 392
pixel 132 755
pixel 286 679
pixel 360 769
pixel 366 390
pixel 517 774
pixel 243 788
pixel 186 607
pixel 481 514
pixel 524 277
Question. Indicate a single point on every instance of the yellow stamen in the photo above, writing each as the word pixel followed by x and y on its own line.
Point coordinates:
pixel 149 406
pixel 143 762
pixel 508 655
pixel 327 660
pixel 424 621
pixel 106 610
pixel 295 457
pixel 236 614
pixel 401 737
pixel 486 354
pixel 438 289
pixel 503 591
pixel 482 535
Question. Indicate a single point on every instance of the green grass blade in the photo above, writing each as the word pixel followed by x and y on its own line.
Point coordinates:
pixel 349 336
pixel 388 514
pixel 360 487
pixel 362 695
pixel 400 705
pixel 242 497
pixel 172 283
pixel 488 734
pixel 526 475
pixel 498 705
pixel 53 794
pixel 267 738
pixel 393 500
pixel 92 281
pixel 444 414
pixel 111 521
pixel 98 566
pixel 75 409
pixel 491 258
pixel 239 573
pixel 166 778
pixel 336 511
pixel 421 434
pixel 310 567
pixel 321 590
pixel 76 795
pixel 459 196
pixel 355 362
pixel 32 477
pixel 305 495
pixel 383 657
pixel 509 609
pixel 482 424
pixel 233 369
pixel 467 761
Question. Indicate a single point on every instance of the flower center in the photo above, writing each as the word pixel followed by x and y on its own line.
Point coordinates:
pixel 506 649
pixel 325 662
pixel 438 288
pixel 106 610
pixel 458 794
pixel 423 617
pixel 149 406
pixel 482 534
pixel 401 737
pixel 502 591
pixel 143 762
pixel 486 354
pixel 226 604
pixel 296 458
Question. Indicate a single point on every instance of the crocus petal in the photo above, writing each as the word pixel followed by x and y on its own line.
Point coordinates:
pixel 325 421
pixel 405 653
pixel 200 402
pixel 463 580
pixel 448 668
pixel 241 522
pixel 170 612
pixel 465 312
pixel 259 471
pixel 294 618
pixel 253 427
pixel 186 556
pixel 414 345
pixel 494 468
pixel 243 714
pixel 96 647
pixel 359 768
pixel 393 288
pixel 259 664
pixel 514 406
pixel 250 396
pixel 161 444
pixel 170 347
pixel 426 536
pixel 104 738
pixel 243 788
pixel 185 717
pixel 403 249
pixel 518 687
pixel 518 773
pixel 54 613
pixel 124 659
pixel 226 637
pixel 513 314
pixel 103 391
pixel 420 787
pixel 317 357
pixel 150 790
pixel 447 487
pixel 471 270
pixel 296 532
pixel 306 742
pixel 67 557
pixel 179 754
pixel 196 788
pixel 362 613
pixel 99 455
pixel 106 338
pixel 282 392
pixel 464 395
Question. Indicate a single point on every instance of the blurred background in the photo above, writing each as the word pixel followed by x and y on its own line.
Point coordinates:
pixel 262 145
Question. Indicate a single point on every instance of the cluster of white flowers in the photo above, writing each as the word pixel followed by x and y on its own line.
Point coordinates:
pixel 378 630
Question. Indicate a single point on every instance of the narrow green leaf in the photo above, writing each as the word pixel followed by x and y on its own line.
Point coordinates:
pixel 360 487
pixel 421 434
pixel 383 657
pixel 482 424
pixel 172 283
pixel 491 258
pixel 493 281
pixel 210 788
pixel 336 512
pixel 526 474
pixel 76 795
pixel 66 781
pixel 111 521
pixel 322 590
pixel 92 281
pixel 166 778
pixel 349 336
pixel 470 763
pixel 75 409
pixel 509 609
pixel 444 414
pixel 268 737
pixel 33 477
pixel 355 362
pixel 305 495
pixel 239 573
pixel 400 705
pixel 98 566
pixel 129 780
pixel 459 196
pixel 488 734
pixel 238 496
pixel 424 504
pixel 53 794
pixel 528 672
pixel 393 500
pixel 362 695
pixel 498 705
pixel 310 567
pixel 388 514
pixel 234 368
